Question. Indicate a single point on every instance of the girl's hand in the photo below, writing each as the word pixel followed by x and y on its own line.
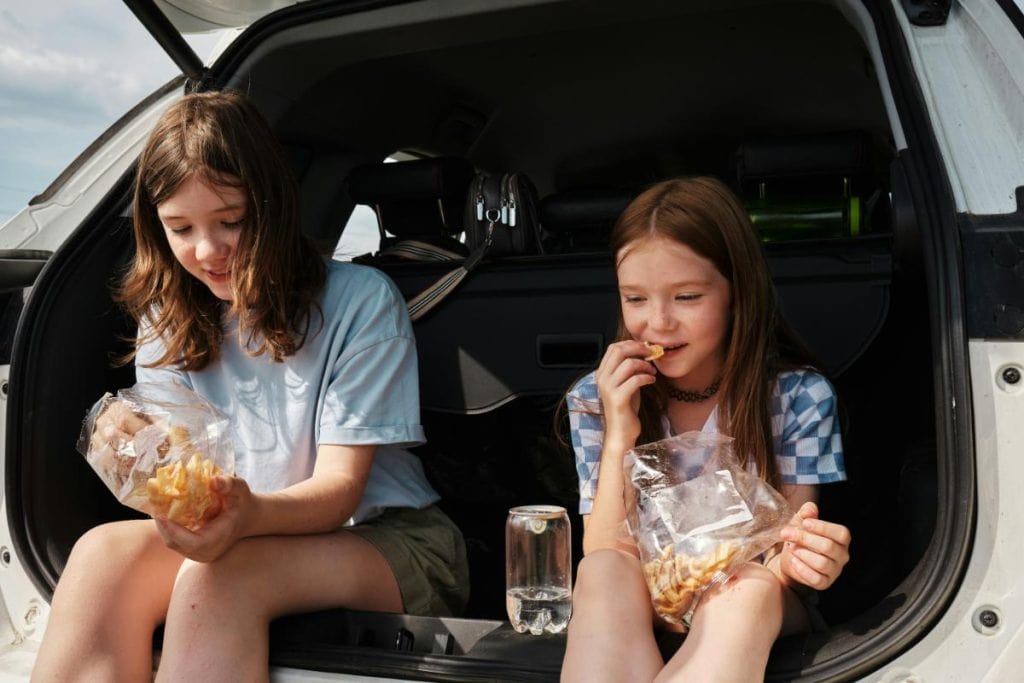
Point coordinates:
pixel 815 551
pixel 621 374
pixel 115 426
pixel 218 534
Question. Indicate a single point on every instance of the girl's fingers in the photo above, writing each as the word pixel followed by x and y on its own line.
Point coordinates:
pixel 837 532
pixel 806 574
pixel 820 563
pixel 222 484
pixel 807 528
pixel 628 368
pixel 124 418
pixel 808 510
pixel 176 537
pixel 821 545
pixel 633 384
pixel 619 352
pixel 612 380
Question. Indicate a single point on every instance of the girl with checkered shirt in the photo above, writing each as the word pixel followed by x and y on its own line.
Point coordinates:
pixel 693 279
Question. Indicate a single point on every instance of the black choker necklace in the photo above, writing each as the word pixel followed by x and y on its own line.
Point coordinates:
pixel 694 396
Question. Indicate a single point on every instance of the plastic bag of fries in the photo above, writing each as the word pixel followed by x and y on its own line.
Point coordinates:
pixel 156 446
pixel 696 516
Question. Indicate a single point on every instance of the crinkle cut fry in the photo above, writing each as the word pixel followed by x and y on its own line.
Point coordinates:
pixel 673 579
pixel 181 492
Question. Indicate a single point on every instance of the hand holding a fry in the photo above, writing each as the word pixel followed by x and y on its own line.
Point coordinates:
pixel 621 374
pixel 814 552
pixel 219 533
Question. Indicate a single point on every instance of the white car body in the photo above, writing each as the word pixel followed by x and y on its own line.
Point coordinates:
pixel 970 74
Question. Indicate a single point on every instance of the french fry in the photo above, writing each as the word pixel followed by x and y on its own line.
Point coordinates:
pixel 656 351
pixel 673 579
pixel 181 492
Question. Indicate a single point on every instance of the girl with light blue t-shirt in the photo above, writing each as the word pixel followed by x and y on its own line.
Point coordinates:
pixel 693 280
pixel 314 362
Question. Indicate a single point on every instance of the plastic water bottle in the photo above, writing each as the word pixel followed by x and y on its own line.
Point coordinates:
pixel 538 561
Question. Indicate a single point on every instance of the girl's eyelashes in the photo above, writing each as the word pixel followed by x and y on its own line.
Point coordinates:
pixel 183 229
pixel 634 299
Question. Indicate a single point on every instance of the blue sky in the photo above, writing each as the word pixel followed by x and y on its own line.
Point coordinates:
pixel 68 69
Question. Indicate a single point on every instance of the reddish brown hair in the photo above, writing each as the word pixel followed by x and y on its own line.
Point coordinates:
pixel 706 216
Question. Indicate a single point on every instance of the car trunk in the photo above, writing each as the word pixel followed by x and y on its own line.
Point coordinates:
pixel 595 95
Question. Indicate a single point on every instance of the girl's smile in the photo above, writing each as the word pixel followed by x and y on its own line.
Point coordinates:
pixel 202 223
pixel 673 297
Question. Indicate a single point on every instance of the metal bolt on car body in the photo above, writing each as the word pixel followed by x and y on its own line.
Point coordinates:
pixel 1008 378
pixel 986 620
pixel 5 556
pixel 4 388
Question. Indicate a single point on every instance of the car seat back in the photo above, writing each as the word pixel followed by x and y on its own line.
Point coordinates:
pixel 581 220
pixel 419 206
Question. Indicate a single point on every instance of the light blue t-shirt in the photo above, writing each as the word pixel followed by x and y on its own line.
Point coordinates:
pixel 354 382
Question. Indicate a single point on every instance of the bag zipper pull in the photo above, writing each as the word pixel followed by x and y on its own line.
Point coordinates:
pixel 504 199
pixel 511 202
pixel 480 198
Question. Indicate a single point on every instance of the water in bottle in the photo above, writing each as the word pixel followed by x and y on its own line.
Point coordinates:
pixel 538 589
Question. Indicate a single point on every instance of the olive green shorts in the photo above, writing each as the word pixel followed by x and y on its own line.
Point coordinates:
pixel 427 556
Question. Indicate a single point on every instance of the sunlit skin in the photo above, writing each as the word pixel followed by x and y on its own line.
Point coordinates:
pixel 202 222
pixel 674 297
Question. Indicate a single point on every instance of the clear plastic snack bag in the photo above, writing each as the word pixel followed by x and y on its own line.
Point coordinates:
pixel 162 443
pixel 696 516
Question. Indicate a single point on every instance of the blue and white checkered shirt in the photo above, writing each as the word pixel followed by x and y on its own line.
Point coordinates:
pixel 805 430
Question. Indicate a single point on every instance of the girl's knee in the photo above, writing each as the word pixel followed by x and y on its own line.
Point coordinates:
pixel 102 546
pixel 609 580
pixel 225 582
pixel 753 589
pixel 604 569
pixel 203 580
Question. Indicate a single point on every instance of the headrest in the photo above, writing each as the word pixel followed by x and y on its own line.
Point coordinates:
pixel 583 210
pixel 777 160
pixel 581 220
pixel 422 198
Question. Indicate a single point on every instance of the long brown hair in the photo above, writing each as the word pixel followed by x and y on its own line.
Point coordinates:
pixel 704 214
pixel 276 274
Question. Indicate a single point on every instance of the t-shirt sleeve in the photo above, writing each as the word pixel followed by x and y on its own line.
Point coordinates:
pixel 373 393
pixel 809 448
pixel 586 428
pixel 148 353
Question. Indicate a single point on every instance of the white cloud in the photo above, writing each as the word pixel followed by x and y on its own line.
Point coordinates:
pixel 90 64
pixel 68 70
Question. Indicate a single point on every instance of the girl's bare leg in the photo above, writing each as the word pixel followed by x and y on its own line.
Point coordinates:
pixel 112 594
pixel 218 620
pixel 611 637
pixel 733 629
